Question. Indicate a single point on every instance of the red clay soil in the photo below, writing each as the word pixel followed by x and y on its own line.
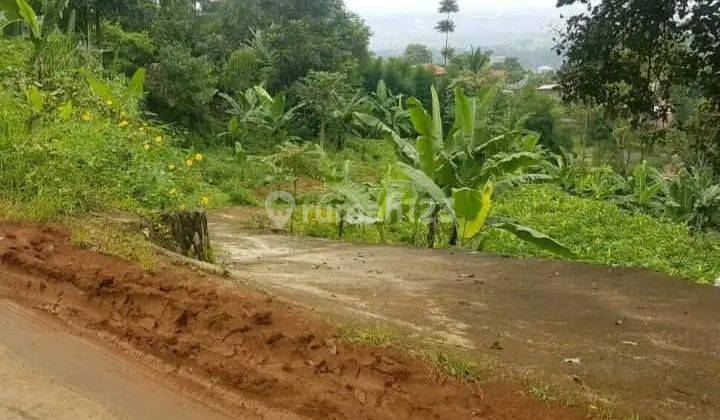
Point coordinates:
pixel 229 345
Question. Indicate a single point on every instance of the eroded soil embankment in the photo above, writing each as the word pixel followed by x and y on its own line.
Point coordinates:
pixel 235 342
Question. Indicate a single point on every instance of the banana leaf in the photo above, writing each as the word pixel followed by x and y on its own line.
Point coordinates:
pixel 531 235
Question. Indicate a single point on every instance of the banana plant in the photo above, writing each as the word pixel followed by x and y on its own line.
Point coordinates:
pixel 39 27
pixel 466 162
pixel 122 102
pixel 694 199
pixel 389 109
pixel 361 204
pixel 646 185
pixel 458 172
pixel 472 209
pixel 257 111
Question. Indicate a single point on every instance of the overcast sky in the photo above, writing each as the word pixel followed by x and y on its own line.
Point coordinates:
pixel 380 7
pixel 526 24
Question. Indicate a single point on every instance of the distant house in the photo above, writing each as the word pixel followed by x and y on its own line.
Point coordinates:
pixel 436 69
pixel 544 69
pixel 553 89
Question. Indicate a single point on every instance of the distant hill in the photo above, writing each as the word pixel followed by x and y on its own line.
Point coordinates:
pixel 527 35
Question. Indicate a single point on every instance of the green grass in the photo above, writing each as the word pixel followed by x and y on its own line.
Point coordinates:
pixel 599 232
pixel 602 233
pixel 99 235
pixel 372 335
pixel 74 159
pixel 455 365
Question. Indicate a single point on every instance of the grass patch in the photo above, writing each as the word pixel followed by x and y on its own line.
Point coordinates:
pixel 372 335
pixel 451 363
pixel 455 364
pixel 102 236
pixel 602 233
pixel 542 393
pixel 598 231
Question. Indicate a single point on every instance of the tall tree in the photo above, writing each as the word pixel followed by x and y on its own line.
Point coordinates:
pixel 418 54
pixel 626 54
pixel 447 25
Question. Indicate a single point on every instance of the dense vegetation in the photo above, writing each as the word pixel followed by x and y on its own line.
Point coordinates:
pixel 149 107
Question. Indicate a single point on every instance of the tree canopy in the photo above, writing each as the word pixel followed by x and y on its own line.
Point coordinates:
pixel 627 54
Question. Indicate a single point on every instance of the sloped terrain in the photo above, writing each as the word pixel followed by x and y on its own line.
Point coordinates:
pixel 231 347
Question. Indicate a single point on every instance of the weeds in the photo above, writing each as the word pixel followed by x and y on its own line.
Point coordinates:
pixel 455 365
pixel 102 236
pixel 374 336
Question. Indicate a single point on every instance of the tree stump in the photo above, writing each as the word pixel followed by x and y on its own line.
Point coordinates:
pixel 189 232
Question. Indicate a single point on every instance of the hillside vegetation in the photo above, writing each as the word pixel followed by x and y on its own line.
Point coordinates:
pixel 167 107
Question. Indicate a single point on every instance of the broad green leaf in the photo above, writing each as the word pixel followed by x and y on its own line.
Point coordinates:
pixel 464 120
pixel 516 180
pixel 233 103
pixel 263 95
pixel 532 236
pixel 405 147
pixel 427 185
pixel 351 192
pixel 509 164
pixel 489 143
pixel 381 91
pixel 472 207
pixel 101 89
pixel 485 97
pixel 278 105
pixel 30 18
pixel 426 153
pixel 421 120
pixel 135 87
pixel 437 127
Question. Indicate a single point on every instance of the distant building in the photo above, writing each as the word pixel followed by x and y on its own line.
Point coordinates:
pixel 544 69
pixel 553 89
pixel 436 69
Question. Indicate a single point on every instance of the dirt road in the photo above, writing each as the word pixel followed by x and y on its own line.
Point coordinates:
pixel 649 343
pixel 47 373
pixel 176 342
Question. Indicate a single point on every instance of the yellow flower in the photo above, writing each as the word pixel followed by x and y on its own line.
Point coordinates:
pixel 123 123
pixel 146 146
pixel 141 129
pixel 189 162
pixel 109 103
pixel 205 201
pixel 158 139
pixel 198 157
pixel 87 117
pixel 173 191
pixel 171 167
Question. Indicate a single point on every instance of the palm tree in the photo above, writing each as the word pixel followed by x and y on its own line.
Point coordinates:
pixel 447 25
